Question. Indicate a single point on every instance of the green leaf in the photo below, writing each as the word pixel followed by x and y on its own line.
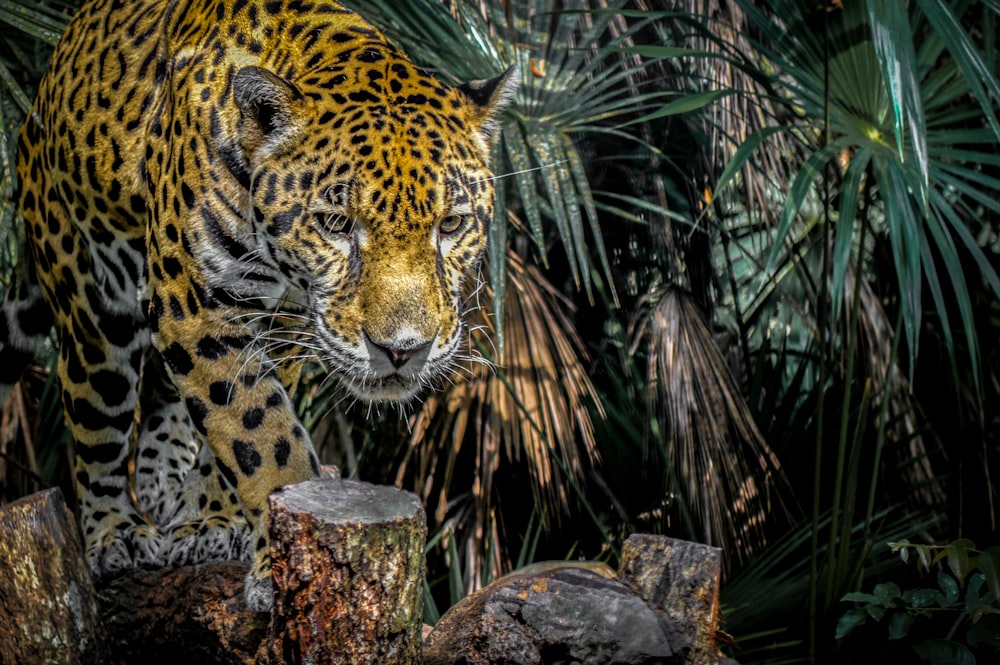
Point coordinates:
pixel 456 586
pixel 887 593
pixel 944 652
pixel 952 263
pixel 685 104
pixel 811 170
pixel 975 251
pixel 553 179
pixel 958 558
pixel 925 598
pixel 516 149
pixel 989 563
pixel 905 231
pixel 35 23
pixel 924 556
pixel 497 253
pixel 849 621
pixel 972 596
pixel 891 35
pixel 7 81
pixel 976 72
pixel 844 240
pixel 571 206
pixel 859 597
pixel 876 612
pixel 431 613
pixel 899 625
pixel 949 587
pixel 742 154
pixel 586 198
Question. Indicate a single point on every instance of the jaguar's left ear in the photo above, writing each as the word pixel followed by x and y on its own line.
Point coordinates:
pixel 268 105
pixel 490 97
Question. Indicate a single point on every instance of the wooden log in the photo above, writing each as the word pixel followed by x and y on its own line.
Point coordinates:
pixel 192 614
pixel 348 562
pixel 48 607
pixel 682 579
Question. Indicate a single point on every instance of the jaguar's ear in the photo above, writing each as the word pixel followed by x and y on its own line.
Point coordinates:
pixel 490 97
pixel 267 106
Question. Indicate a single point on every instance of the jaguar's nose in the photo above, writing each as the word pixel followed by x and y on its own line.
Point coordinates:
pixel 401 353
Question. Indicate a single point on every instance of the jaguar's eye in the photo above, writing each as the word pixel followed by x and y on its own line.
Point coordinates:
pixel 335 222
pixel 451 223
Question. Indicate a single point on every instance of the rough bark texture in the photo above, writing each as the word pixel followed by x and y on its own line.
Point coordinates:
pixel 193 614
pixel 48 608
pixel 681 578
pixel 348 558
pixel 552 614
pixel 348 563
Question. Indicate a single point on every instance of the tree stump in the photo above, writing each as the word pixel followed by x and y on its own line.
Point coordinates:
pixel 48 608
pixel 682 578
pixel 348 562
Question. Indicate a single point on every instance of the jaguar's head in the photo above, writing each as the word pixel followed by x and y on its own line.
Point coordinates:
pixel 372 190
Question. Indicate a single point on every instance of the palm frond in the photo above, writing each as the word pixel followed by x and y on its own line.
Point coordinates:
pixel 892 109
pixel 730 479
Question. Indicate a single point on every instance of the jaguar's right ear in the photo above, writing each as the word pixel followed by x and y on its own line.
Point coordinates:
pixel 267 105
pixel 489 98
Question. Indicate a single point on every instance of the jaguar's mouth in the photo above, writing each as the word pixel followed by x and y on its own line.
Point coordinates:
pixel 390 388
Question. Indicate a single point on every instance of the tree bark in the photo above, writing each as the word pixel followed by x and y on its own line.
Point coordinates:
pixel 348 563
pixel 48 608
pixel 681 578
pixel 193 614
pixel 348 573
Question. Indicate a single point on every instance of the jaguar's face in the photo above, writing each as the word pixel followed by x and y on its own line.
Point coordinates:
pixel 388 310
pixel 379 213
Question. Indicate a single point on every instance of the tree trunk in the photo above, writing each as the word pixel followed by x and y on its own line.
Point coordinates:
pixel 348 564
pixel 48 608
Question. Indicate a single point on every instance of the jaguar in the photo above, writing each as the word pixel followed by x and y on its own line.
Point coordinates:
pixel 215 192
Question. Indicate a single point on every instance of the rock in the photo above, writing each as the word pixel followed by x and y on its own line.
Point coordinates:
pixel 562 614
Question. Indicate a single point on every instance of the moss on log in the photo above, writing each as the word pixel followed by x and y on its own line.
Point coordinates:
pixel 681 578
pixel 48 608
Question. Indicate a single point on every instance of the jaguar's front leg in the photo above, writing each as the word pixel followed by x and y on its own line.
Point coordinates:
pixel 235 401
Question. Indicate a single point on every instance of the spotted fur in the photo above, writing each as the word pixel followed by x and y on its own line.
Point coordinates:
pixel 213 192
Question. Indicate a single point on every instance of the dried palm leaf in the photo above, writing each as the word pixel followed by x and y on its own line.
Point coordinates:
pixel 532 410
pixel 730 480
